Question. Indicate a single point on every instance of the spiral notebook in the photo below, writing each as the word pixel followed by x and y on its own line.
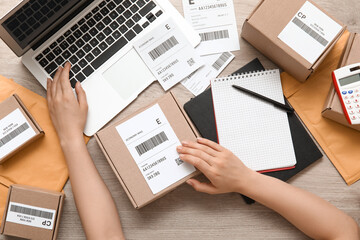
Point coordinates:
pixel 254 130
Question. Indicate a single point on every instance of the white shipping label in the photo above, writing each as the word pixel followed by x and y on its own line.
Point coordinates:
pixel 152 143
pixel 14 131
pixel 309 32
pixel 215 21
pixel 198 81
pixel 30 215
pixel 168 54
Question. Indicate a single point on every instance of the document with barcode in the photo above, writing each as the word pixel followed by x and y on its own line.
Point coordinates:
pixel 30 215
pixel 310 32
pixel 14 131
pixel 198 81
pixel 168 54
pixel 215 21
pixel 152 143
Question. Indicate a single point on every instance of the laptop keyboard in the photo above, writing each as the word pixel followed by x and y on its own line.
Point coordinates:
pixel 99 35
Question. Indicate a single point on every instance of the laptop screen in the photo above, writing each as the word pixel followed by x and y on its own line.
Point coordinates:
pixel 35 17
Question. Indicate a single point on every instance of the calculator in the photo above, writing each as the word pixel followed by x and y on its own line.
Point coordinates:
pixel 347 84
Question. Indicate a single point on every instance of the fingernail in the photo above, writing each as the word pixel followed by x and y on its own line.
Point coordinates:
pixel 181 156
pixel 179 148
pixel 199 138
pixel 184 142
pixel 189 182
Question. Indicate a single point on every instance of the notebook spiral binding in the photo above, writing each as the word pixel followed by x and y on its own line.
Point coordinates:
pixel 246 75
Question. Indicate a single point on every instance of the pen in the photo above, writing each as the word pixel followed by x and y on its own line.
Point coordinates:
pixel 277 104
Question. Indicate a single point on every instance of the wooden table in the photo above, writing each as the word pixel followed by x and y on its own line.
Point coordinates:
pixel 184 213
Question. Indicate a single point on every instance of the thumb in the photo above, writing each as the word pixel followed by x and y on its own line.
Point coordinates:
pixel 202 187
pixel 81 95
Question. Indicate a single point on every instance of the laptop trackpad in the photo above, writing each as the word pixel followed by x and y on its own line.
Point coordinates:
pixel 129 76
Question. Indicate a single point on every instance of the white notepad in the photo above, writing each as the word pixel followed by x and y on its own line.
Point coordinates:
pixel 254 130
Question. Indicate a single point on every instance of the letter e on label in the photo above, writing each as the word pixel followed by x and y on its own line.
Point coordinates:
pixel 158 121
pixel 167 26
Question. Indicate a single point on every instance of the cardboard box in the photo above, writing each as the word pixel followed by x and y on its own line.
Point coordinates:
pixel 32 213
pixel 18 128
pixel 262 28
pixel 332 107
pixel 124 165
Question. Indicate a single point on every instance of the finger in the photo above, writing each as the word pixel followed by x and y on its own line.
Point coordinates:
pixel 200 164
pixel 48 89
pixel 64 80
pixel 202 187
pixel 81 96
pixel 201 147
pixel 210 144
pixel 54 82
pixel 196 153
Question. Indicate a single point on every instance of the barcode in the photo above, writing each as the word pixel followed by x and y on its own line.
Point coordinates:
pixel 163 48
pixel 13 134
pixel 179 161
pixel 31 211
pixel 310 32
pixel 208 36
pixel 151 143
pixel 221 60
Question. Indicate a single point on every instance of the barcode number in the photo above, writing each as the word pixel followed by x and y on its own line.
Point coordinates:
pixel 179 161
pixel 163 48
pixel 13 134
pixel 221 60
pixel 31 211
pixel 208 36
pixel 151 143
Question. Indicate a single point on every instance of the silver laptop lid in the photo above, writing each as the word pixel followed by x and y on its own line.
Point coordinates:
pixel 31 20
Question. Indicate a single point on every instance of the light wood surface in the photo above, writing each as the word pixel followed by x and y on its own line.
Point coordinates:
pixel 184 213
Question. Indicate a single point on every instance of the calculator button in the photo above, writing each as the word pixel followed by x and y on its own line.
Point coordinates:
pixel 356 101
pixel 351 112
pixel 357 105
pixel 356 90
pixel 347 101
pixel 352 96
pixel 358 95
pixel 350 91
pixel 346 97
pixel 358 111
pixel 353 117
pixel 349 107
pixel 344 92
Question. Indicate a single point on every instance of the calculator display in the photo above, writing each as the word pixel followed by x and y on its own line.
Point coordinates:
pixel 349 80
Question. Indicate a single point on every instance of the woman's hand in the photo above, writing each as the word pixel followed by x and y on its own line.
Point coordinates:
pixel 224 170
pixel 67 113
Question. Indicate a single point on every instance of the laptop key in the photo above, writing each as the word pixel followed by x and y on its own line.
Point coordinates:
pixel 108 53
pixel 158 13
pixel 104 11
pixel 109 40
pixel 73 48
pixel 140 3
pixel 75 68
pixel 93 31
pixel 80 77
pixel 60 39
pixel 137 28
pixel 67 33
pixel 103 3
pixel 71 74
pixel 64 45
pixel 73 59
pixel 136 17
pixel 113 14
pixel 96 51
pixel 130 23
pixel 94 42
pixel 89 57
pixel 81 21
pixel 127 14
pixel 87 48
pixel 73 28
pixel 151 17
pixel 57 51
pixel 51 67
pixel 87 16
pixel 88 70
pixel 43 62
pixel 84 28
pixel 120 9
pixel 98 17
pixel 107 31
pixel 46 51
pixel 73 83
pixel 38 57
pixel 95 10
pixel 130 35
pixel 53 45
pixel 106 20
pixel 77 34
pixel 82 63
pixel 70 39
pixel 80 53
pixel 114 25
pixel 66 54
pixel 134 8
pixel 116 34
pixel 91 22
pixel 79 43
pixel 50 57
pixel 145 24
pixel 86 37
pixel 103 46
pixel 100 37
pixel 59 60
pixel 147 8
pixel 126 3
pixel 111 5
pixel 121 20
pixel 100 26
pixel 123 29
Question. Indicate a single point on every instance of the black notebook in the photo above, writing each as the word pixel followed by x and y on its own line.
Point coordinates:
pixel 200 111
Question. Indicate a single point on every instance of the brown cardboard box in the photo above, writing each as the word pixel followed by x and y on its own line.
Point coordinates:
pixel 9 133
pixel 332 108
pixel 42 224
pixel 266 22
pixel 122 162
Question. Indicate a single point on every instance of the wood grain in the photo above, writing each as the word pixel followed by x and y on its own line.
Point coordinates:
pixel 183 213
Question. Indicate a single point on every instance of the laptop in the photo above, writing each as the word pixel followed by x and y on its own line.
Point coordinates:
pixel 96 37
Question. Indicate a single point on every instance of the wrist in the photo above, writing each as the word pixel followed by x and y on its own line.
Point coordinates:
pixel 71 140
pixel 247 178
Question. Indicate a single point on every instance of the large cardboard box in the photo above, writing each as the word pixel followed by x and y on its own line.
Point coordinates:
pixel 124 165
pixel 32 213
pixel 18 127
pixel 332 107
pixel 270 17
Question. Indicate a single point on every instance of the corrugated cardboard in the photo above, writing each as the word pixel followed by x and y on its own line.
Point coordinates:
pixel 262 27
pixel 35 197
pixel 332 107
pixel 9 105
pixel 124 165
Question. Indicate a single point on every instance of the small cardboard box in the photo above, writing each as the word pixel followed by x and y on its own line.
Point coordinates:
pixel 18 128
pixel 262 28
pixel 32 213
pixel 124 165
pixel 332 107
